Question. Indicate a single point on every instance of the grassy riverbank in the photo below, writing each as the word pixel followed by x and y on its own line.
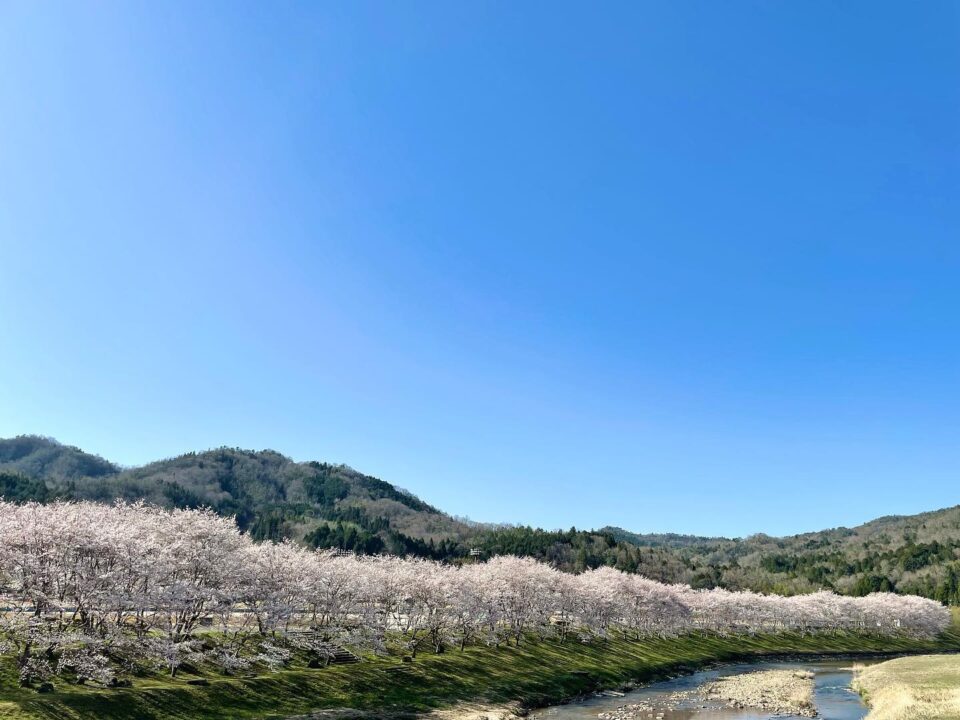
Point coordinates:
pixel 926 687
pixel 534 674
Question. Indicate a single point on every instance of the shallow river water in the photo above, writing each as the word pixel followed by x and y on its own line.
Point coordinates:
pixel 832 694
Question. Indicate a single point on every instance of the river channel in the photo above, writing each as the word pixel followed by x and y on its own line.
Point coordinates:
pixel 832 694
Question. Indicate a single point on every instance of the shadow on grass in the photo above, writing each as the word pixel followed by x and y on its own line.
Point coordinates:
pixel 534 674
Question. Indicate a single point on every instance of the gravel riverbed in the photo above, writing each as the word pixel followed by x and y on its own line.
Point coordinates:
pixel 778 692
pixel 781 692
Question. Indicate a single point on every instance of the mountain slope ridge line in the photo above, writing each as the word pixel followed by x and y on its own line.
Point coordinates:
pixel 334 506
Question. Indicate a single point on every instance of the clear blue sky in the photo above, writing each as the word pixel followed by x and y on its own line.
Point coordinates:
pixel 687 266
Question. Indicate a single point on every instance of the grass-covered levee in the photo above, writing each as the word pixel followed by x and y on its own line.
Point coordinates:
pixel 533 674
pixel 131 611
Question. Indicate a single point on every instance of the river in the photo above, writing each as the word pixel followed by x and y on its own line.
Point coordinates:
pixel 832 694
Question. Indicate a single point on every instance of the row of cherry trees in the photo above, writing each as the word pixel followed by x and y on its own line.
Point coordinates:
pixel 85 586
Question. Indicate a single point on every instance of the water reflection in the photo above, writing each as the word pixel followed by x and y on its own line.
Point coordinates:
pixel 833 696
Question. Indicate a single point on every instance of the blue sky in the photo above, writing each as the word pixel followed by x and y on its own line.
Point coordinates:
pixel 685 266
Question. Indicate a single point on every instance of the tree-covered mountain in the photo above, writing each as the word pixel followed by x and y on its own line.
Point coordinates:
pixel 334 506
pixel 41 457
pixel 270 495
pixel 671 540
pixel 917 554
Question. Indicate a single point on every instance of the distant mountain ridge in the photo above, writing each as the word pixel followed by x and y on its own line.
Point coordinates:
pixel 36 456
pixel 325 505
pixel 271 495
pixel 673 540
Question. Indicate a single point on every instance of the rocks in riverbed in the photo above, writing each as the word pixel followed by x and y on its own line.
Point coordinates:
pixel 780 692
pixel 466 711
pixel 645 708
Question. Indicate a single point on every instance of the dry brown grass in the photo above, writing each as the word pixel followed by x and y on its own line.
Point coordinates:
pixel 925 687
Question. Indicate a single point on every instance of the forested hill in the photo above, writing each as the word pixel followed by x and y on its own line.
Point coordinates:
pixel 40 457
pixel 917 554
pixel 270 495
pixel 324 505
pixel 672 540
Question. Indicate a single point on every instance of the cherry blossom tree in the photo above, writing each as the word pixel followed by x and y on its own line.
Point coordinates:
pixel 83 584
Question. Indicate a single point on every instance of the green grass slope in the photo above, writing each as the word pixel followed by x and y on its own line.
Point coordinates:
pixel 534 674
